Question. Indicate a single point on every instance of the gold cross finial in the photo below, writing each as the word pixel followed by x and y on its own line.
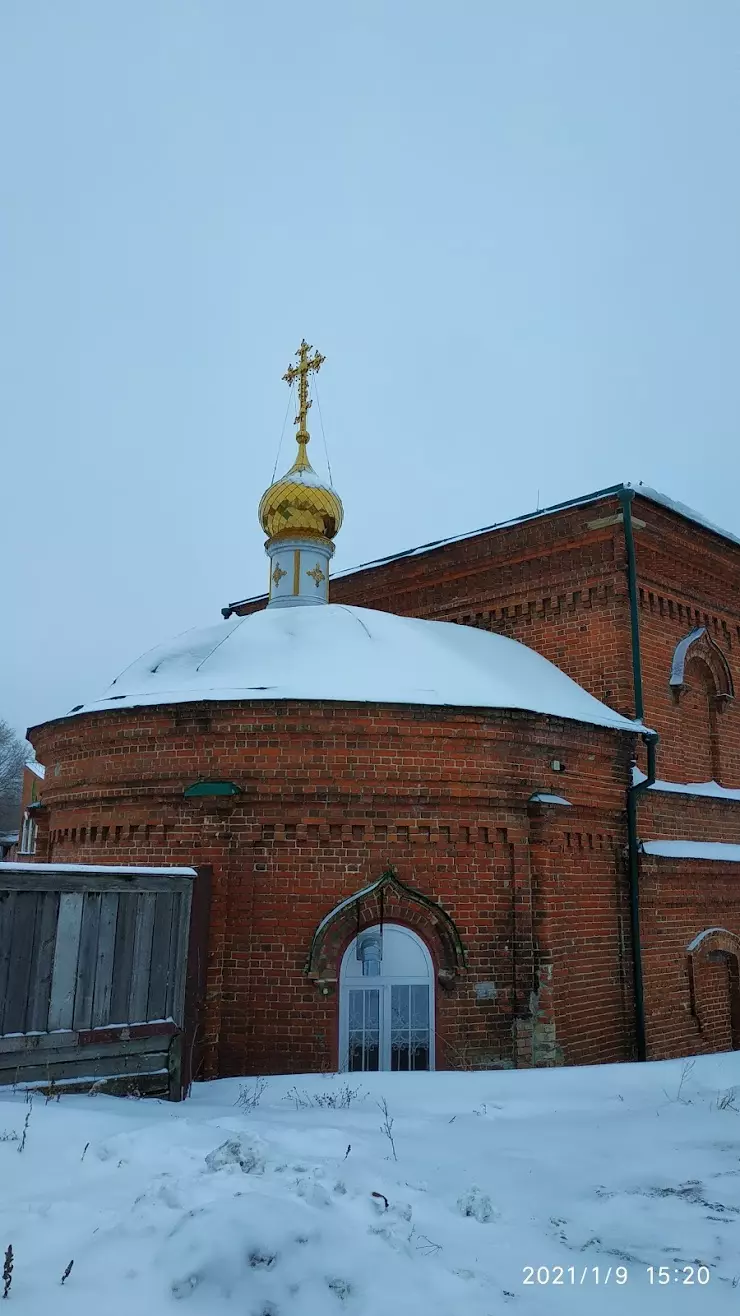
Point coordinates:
pixel 306 364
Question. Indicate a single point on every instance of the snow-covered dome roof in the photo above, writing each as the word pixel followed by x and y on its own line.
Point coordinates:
pixel 346 654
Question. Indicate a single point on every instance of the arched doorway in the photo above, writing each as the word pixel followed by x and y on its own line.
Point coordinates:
pixel 386 1002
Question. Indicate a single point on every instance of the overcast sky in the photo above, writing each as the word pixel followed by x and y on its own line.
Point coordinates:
pixel 512 228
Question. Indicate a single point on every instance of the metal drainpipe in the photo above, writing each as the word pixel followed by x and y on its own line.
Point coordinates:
pixel 634 792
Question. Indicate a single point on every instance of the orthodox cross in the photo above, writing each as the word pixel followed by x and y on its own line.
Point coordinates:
pixel 301 372
pixel 317 575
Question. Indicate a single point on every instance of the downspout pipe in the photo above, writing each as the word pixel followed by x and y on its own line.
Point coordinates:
pixel 626 498
pixel 633 797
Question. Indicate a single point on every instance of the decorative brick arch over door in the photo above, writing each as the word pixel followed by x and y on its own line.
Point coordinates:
pixel 386 900
pixel 714 987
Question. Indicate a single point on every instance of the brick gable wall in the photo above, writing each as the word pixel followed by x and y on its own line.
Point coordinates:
pixel 687 578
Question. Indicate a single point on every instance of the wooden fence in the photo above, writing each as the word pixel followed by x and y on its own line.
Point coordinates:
pixel 94 967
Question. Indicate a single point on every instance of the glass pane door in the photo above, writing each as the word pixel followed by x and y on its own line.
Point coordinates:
pixel 409 1027
pixel 364 1029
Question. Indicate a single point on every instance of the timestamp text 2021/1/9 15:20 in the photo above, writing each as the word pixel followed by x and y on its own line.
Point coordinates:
pixel 601 1275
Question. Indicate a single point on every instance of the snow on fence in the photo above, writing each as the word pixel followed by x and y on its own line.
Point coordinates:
pixel 100 971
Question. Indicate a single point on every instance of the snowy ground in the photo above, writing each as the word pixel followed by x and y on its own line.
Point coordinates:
pixel 577 1171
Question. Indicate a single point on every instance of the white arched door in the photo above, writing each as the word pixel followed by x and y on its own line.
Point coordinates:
pixel 386 1002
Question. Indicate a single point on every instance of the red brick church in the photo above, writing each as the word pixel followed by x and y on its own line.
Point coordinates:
pixel 481 810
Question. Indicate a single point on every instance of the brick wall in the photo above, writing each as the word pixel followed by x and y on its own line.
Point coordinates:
pixel 331 795
pixel 680 899
pixel 583 931
pixel 688 578
pixel 690 999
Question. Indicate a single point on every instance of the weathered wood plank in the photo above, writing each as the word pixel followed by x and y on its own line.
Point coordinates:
pixel 171 960
pixel 174 1064
pixel 87 960
pixel 21 960
pixel 104 965
pixel 160 970
pixel 142 959
pixel 175 1007
pixel 40 1058
pixel 123 957
pixel 36 1041
pixel 34 954
pixel 144 1085
pixel 7 911
pixel 47 881
pixel 128 1035
pixel 85 1067
pixel 37 1014
pixel 195 978
pixel 94 1036
pixel 64 977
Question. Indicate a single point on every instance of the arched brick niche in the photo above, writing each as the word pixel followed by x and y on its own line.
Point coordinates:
pixel 387 899
pixel 702 686
pixel 696 648
pixel 713 969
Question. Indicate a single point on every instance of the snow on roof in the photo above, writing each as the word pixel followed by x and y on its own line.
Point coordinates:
pixel 98 868
pixel 681 510
pixel 36 768
pixel 643 490
pixel 8 838
pixel 338 653
pixel 717 850
pixel 708 789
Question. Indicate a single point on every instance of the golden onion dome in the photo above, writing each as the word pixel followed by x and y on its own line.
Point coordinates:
pixel 300 503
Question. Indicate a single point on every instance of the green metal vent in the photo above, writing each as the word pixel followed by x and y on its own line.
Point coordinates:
pixel 200 788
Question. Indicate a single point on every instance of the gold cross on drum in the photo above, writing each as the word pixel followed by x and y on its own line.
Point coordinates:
pixel 317 575
pixel 306 364
pixel 278 574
